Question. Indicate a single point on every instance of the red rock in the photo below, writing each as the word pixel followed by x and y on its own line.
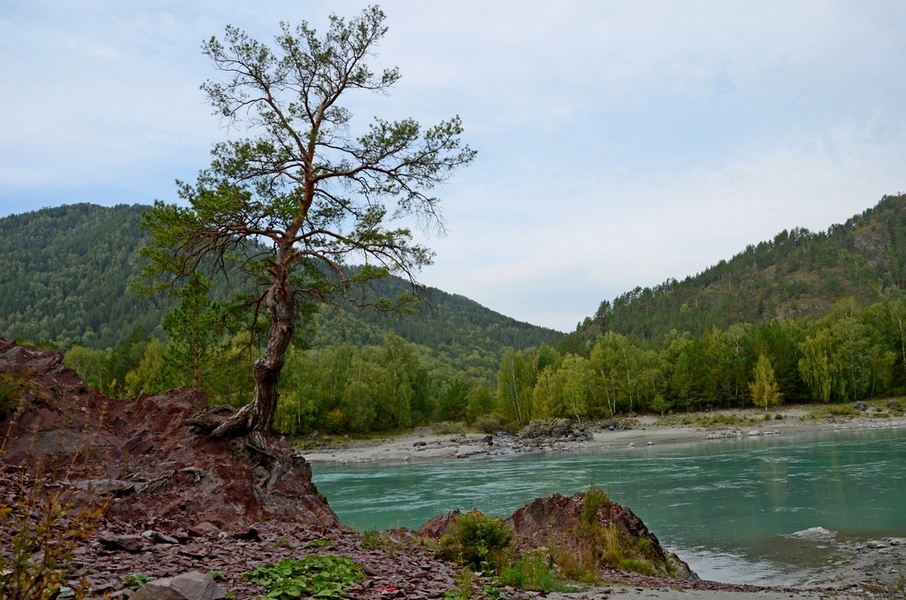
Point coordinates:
pixel 126 543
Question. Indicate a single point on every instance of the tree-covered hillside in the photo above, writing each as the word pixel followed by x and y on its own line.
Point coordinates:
pixel 64 275
pixel 64 278
pixel 797 274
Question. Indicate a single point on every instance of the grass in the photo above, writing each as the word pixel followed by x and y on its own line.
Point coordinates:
pixel 716 419
pixel 450 428
pixel 534 570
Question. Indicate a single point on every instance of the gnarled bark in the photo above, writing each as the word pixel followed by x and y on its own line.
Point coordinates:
pixel 256 417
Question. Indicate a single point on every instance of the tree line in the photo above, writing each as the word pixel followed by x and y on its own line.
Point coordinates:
pixel 850 354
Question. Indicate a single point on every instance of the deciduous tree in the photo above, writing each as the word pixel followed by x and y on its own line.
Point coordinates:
pixel 764 388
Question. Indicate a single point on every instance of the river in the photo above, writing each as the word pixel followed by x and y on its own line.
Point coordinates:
pixel 728 508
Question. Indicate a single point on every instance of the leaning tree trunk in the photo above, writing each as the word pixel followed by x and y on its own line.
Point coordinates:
pixel 256 417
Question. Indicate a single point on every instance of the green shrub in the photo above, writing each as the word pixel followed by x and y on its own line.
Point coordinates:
pixel 533 570
pixel 591 545
pixel 12 387
pixel 488 424
pixel 592 502
pixel 477 541
pixel 843 410
pixel 374 540
pixel 318 576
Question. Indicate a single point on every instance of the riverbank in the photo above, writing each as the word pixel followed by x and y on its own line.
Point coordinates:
pixel 637 432
pixel 860 568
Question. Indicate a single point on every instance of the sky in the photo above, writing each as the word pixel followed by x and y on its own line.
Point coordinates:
pixel 619 143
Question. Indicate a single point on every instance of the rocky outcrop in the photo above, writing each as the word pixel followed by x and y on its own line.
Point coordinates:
pixel 140 450
pixel 548 522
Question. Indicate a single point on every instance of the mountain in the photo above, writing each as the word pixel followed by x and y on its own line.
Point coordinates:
pixel 797 274
pixel 64 275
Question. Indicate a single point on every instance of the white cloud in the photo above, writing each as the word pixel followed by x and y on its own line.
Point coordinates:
pixel 620 143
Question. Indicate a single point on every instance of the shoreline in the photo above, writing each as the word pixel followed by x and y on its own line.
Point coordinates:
pixel 864 567
pixel 645 431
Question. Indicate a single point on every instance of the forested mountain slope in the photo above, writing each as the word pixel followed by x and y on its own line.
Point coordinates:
pixel 64 276
pixel 797 274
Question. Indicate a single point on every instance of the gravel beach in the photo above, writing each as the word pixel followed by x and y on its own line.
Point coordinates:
pixel 643 431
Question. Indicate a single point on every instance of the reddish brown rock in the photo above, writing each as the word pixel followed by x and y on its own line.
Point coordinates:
pixel 161 472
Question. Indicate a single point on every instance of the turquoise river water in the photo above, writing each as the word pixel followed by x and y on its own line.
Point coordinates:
pixel 726 507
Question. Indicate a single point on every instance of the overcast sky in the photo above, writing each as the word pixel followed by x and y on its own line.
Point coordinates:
pixel 620 143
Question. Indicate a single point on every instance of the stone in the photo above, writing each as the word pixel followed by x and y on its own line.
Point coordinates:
pixel 156 537
pixel 204 529
pixel 893 404
pixel 126 543
pixel 861 406
pixel 249 534
pixel 193 585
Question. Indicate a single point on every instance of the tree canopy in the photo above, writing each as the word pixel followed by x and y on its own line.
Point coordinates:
pixel 301 195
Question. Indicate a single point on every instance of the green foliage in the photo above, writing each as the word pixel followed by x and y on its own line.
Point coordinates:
pixel 533 570
pixel 459 344
pixel 797 274
pixel 64 276
pixel 480 403
pixel 317 576
pixel 477 541
pixel 135 581
pixel 765 391
pixel 13 385
pixel 489 424
pixel 374 540
pixel 193 329
pixel 591 544
pixel 839 410
pixel 285 207
pixel 464 586
pixel 592 502
pixel 515 381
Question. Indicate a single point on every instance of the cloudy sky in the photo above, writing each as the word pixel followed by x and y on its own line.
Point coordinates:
pixel 620 143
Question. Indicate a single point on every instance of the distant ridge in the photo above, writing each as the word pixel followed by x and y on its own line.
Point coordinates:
pixel 64 276
pixel 797 274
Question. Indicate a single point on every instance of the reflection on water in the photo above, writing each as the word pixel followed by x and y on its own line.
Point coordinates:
pixel 727 508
